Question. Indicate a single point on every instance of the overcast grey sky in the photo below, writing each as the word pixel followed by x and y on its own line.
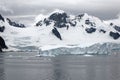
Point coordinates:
pixel 104 9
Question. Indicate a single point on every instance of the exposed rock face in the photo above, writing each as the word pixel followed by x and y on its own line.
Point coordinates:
pixel 2 44
pixel 47 22
pixel 15 24
pixel 111 24
pixel 103 31
pixel 56 33
pixel 88 22
pixel 80 16
pixel 73 23
pixel 117 28
pixel 1 18
pixel 39 23
pixel 0 50
pixel 59 19
pixel 115 35
pixel 2 29
pixel 90 30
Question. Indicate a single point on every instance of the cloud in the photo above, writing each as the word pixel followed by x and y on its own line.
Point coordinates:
pixel 105 9
pixel 5 9
pixel 115 21
pixel 118 15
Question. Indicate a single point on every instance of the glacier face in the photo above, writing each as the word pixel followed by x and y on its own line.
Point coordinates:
pixel 85 32
pixel 96 49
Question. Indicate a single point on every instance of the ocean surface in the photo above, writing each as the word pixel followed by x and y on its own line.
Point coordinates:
pixel 28 66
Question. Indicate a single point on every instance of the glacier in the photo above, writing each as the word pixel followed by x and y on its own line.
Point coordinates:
pixel 96 49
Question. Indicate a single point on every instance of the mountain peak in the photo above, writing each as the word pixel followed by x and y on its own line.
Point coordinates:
pixel 86 15
pixel 57 11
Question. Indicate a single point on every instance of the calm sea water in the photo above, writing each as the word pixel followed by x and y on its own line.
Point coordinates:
pixel 26 66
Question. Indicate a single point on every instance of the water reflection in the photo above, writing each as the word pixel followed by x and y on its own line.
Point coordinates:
pixel 82 68
pixel 115 70
pixel 2 72
pixel 59 69
pixel 90 71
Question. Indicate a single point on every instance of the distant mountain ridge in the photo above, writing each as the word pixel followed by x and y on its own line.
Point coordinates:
pixel 15 24
pixel 90 24
pixel 59 28
pixel 10 22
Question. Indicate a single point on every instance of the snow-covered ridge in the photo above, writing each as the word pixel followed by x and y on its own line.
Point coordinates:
pixel 82 31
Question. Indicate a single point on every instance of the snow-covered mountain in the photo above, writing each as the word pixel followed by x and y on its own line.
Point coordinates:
pixel 58 29
pixel 82 29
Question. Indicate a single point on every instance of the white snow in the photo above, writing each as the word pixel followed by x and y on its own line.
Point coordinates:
pixel 114 21
pixel 57 11
pixel 87 55
pixel 40 17
pixel 42 37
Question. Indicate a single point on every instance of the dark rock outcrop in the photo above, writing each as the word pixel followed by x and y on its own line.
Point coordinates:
pixel 111 24
pixel 15 24
pixel 2 44
pixel 39 23
pixel 103 31
pixel 59 19
pixel 117 28
pixel 115 35
pixel 1 49
pixel 80 16
pixel 2 29
pixel 56 33
pixel 90 30
pixel 88 22
pixel 47 22
pixel 1 18
pixel 73 23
